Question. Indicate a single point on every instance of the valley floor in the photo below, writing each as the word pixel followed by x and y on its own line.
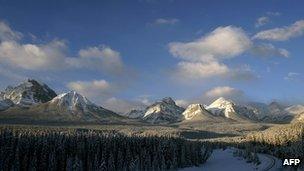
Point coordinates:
pixel 224 160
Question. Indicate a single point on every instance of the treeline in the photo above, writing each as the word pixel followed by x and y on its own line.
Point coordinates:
pixel 48 149
pixel 282 141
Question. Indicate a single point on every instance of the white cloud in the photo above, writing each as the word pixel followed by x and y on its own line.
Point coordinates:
pixel 197 70
pixel 224 91
pixel 292 76
pixel 214 93
pixel 33 57
pixel 281 34
pixel 99 58
pixel 261 21
pixel 202 58
pixel 166 21
pixel 97 89
pixel 222 43
pixel 53 55
pixel 268 50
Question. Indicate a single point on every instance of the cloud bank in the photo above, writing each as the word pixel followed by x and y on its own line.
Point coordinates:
pixel 53 55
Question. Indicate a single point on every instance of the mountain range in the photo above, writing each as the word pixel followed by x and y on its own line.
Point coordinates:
pixel 33 101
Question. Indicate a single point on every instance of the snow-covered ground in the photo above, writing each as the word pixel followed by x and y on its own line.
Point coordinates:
pixel 224 160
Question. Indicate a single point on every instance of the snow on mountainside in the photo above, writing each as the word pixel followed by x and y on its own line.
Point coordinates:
pixel 28 93
pixel 295 109
pixel 260 110
pixel 274 112
pixel 228 109
pixel 72 101
pixel 135 114
pixel 197 112
pixel 164 111
pixel 221 106
pixel 67 107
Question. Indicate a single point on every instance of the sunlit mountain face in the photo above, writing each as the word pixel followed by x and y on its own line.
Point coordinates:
pixel 151 85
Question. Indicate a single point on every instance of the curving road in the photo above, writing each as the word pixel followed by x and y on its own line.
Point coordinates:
pixel 224 160
pixel 271 164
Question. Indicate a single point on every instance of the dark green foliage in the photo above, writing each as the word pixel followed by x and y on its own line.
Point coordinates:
pixel 56 149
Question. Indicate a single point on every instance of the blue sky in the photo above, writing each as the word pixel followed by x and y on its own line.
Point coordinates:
pixel 127 53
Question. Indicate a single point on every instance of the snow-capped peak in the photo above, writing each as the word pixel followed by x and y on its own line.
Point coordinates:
pixel 28 93
pixel 163 111
pixel 72 101
pixel 194 110
pixel 221 106
pixel 221 102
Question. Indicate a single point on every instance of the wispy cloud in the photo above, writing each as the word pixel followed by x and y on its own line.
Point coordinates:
pixel 283 33
pixel 268 50
pixel 223 91
pixel 7 33
pixel 271 13
pixel 165 21
pixel 293 76
pixel 261 21
pixel 214 93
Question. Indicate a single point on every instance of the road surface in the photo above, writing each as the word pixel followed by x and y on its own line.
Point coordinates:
pixel 224 160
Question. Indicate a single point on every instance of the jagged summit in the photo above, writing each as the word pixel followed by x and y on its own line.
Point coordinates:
pixel 222 106
pixel 221 102
pixel 168 100
pixel 196 111
pixel 28 93
pixel 72 100
pixel 165 111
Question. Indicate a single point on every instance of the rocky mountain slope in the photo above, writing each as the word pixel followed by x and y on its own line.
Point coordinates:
pixel 33 100
pixel 66 107
pixel 229 109
pixel 253 111
pixel 197 112
pixel 135 114
pixel 163 111
pixel 28 93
